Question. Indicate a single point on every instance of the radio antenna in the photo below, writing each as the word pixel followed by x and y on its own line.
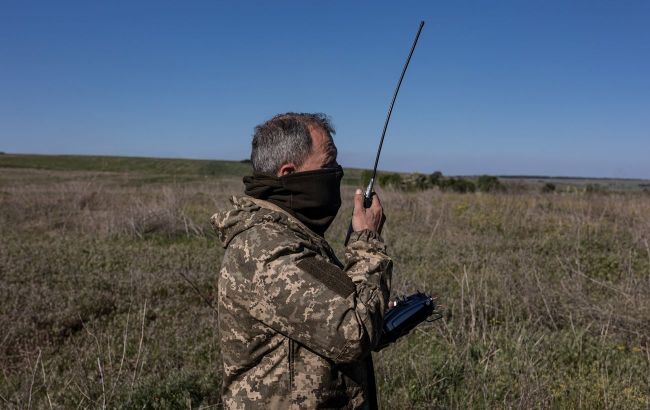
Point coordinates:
pixel 367 195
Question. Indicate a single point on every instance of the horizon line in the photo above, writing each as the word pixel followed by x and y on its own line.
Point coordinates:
pixel 511 176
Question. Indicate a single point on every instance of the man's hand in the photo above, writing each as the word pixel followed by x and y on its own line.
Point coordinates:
pixel 367 218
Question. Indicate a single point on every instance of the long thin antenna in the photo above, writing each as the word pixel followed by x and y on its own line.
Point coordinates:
pixel 367 196
pixel 392 103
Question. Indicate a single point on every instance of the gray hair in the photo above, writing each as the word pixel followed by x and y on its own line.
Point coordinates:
pixel 285 138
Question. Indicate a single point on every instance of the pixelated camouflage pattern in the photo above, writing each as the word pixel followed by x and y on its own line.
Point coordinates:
pixel 287 340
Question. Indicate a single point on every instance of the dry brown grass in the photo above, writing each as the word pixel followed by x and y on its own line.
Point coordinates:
pixel 107 280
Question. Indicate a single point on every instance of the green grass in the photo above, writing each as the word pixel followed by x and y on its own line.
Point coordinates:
pixel 166 166
pixel 107 280
pixel 158 169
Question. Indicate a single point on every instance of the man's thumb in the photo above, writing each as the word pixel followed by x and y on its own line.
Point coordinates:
pixel 358 200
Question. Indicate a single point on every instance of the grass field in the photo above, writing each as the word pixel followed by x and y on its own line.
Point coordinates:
pixel 108 268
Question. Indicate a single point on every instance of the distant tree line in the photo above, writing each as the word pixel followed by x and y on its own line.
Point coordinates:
pixel 420 182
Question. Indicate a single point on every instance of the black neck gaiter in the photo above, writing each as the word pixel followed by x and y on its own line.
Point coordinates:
pixel 313 197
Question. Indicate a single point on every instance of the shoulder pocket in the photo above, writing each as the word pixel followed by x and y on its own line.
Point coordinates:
pixel 329 275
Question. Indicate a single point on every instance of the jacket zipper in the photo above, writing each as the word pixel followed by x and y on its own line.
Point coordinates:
pixel 291 370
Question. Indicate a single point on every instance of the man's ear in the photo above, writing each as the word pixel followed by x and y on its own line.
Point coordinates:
pixel 286 169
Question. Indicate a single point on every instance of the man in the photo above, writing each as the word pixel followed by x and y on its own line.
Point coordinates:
pixel 297 326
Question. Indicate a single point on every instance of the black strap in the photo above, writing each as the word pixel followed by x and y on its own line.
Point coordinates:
pixel 328 274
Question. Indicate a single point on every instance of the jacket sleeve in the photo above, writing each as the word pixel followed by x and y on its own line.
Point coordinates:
pixel 337 313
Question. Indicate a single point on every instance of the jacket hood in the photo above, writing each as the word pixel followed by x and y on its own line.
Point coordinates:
pixel 231 222
pixel 247 212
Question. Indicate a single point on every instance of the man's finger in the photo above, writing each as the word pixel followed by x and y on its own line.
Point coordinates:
pixel 375 202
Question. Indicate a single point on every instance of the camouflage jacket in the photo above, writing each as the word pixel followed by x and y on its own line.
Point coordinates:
pixel 297 326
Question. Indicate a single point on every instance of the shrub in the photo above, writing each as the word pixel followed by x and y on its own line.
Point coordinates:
pixel 390 180
pixel 489 183
pixel 461 185
pixel 435 178
pixel 548 187
pixel 415 182
pixel 421 182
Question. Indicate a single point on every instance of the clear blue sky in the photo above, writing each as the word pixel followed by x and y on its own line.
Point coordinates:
pixel 499 87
